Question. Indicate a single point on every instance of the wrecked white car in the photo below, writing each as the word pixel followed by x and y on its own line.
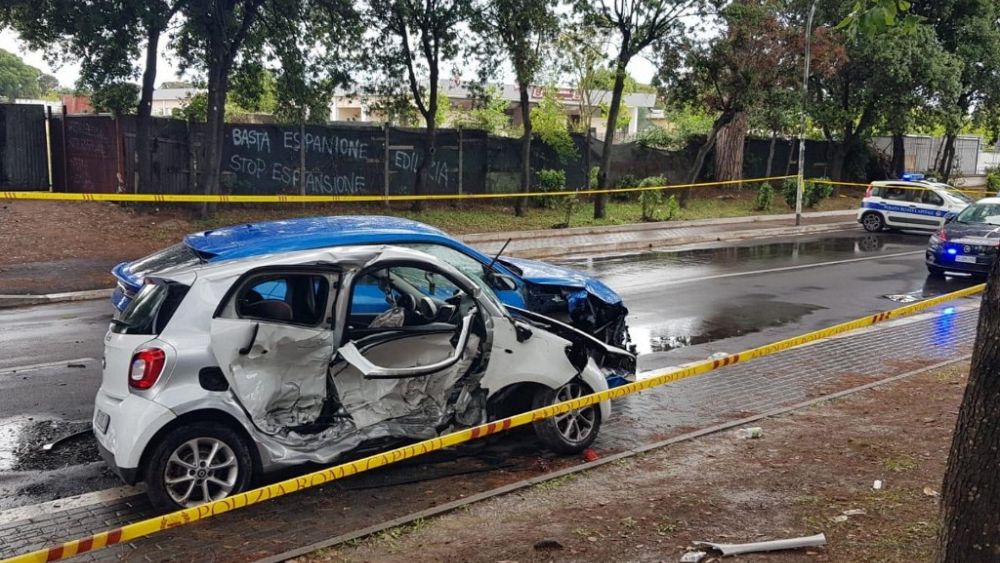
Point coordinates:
pixel 217 374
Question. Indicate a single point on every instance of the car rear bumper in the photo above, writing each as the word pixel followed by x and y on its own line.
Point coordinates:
pixel 123 429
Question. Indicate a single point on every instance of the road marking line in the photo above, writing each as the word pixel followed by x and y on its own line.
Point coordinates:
pixel 68 503
pixel 32 367
pixel 781 269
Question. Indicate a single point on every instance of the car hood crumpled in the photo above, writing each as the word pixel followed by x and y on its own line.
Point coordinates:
pixel 541 273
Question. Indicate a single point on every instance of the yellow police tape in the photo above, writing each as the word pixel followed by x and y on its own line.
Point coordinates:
pixel 182 517
pixel 975 192
pixel 291 198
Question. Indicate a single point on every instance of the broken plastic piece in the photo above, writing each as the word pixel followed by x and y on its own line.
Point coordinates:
pixel 590 455
pixel 877 485
pixel 693 556
pixel 751 433
pixel 773 545
pixel 48 447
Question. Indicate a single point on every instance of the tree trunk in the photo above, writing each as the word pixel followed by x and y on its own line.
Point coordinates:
pixel 948 158
pixel 600 201
pixel 143 158
pixel 419 185
pixel 729 148
pixel 898 155
pixel 970 496
pixel 520 202
pixel 699 160
pixel 214 130
pixel 770 154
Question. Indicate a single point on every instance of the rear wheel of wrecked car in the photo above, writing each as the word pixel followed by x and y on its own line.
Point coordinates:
pixel 569 432
pixel 195 464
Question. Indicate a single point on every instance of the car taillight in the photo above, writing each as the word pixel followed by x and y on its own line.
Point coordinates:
pixel 146 367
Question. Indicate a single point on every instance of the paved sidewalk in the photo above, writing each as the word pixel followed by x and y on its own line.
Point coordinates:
pixel 738 391
pixel 658 236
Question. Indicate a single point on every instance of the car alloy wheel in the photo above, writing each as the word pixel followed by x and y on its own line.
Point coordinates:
pixel 872 222
pixel 200 470
pixel 575 425
pixel 572 431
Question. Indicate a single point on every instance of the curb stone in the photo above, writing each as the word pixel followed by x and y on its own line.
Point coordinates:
pixel 7 301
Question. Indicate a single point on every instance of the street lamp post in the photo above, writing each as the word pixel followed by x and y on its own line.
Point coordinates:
pixel 802 120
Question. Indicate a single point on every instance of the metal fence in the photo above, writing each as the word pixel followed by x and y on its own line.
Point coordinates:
pixel 923 152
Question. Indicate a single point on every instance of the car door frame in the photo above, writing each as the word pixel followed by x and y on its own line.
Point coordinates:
pixel 226 313
pixel 909 213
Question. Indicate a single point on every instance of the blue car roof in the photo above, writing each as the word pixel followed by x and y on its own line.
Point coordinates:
pixel 253 239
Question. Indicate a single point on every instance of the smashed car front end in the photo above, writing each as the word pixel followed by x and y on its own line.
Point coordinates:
pixel 573 298
pixel 616 364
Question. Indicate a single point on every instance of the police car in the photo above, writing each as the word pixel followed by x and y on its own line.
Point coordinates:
pixel 911 203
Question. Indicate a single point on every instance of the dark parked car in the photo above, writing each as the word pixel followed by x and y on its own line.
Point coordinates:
pixel 968 241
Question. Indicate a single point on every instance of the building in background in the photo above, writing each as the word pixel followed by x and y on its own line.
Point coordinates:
pixel 166 100
pixel 348 107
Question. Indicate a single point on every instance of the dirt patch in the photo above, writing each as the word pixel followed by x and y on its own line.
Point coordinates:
pixel 812 471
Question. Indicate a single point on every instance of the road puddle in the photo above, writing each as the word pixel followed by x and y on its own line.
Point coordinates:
pixel 727 321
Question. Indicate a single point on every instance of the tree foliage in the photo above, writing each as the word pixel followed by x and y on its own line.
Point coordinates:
pixel 17 79
pixel 117 98
pixel 551 126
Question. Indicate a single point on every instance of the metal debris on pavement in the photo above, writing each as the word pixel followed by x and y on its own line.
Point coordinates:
pixel 772 545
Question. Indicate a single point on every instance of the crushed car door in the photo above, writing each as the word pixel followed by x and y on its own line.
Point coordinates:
pixel 409 370
pixel 273 341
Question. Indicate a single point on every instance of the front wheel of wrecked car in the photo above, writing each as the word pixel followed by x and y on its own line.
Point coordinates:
pixel 570 432
pixel 197 463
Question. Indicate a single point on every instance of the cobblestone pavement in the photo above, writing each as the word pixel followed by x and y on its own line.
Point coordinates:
pixel 311 516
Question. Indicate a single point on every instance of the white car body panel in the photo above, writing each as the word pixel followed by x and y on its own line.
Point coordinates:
pixel 287 385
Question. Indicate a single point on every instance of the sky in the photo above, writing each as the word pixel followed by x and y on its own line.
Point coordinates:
pixel 641 69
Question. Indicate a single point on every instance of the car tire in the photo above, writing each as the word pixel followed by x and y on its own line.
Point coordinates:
pixel 936 271
pixel 226 471
pixel 873 222
pixel 571 432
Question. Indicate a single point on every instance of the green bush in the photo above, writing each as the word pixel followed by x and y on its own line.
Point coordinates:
pixel 625 182
pixel 651 199
pixel 592 177
pixel 993 179
pixel 812 193
pixel 765 196
pixel 673 208
pixel 549 180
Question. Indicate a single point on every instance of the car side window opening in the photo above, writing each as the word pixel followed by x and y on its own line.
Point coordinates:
pixel 899 193
pixel 293 298
pixel 931 198
pixel 474 269
pixel 404 297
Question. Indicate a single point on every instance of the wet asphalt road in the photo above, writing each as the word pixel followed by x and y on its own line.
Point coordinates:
pixel 684 306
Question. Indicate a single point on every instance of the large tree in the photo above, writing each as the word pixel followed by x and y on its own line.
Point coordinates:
pixel 105 37
pixel 970 496
pixel 752 62
pixel 211 41
pixel 968 29
pixel 520 31
pixel 17 79
pixel 637 24
pixel 407 40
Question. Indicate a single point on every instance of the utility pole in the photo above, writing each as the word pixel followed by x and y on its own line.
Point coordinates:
pixel 802 119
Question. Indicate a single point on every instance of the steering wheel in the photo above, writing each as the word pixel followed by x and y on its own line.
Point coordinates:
pixel 423 309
